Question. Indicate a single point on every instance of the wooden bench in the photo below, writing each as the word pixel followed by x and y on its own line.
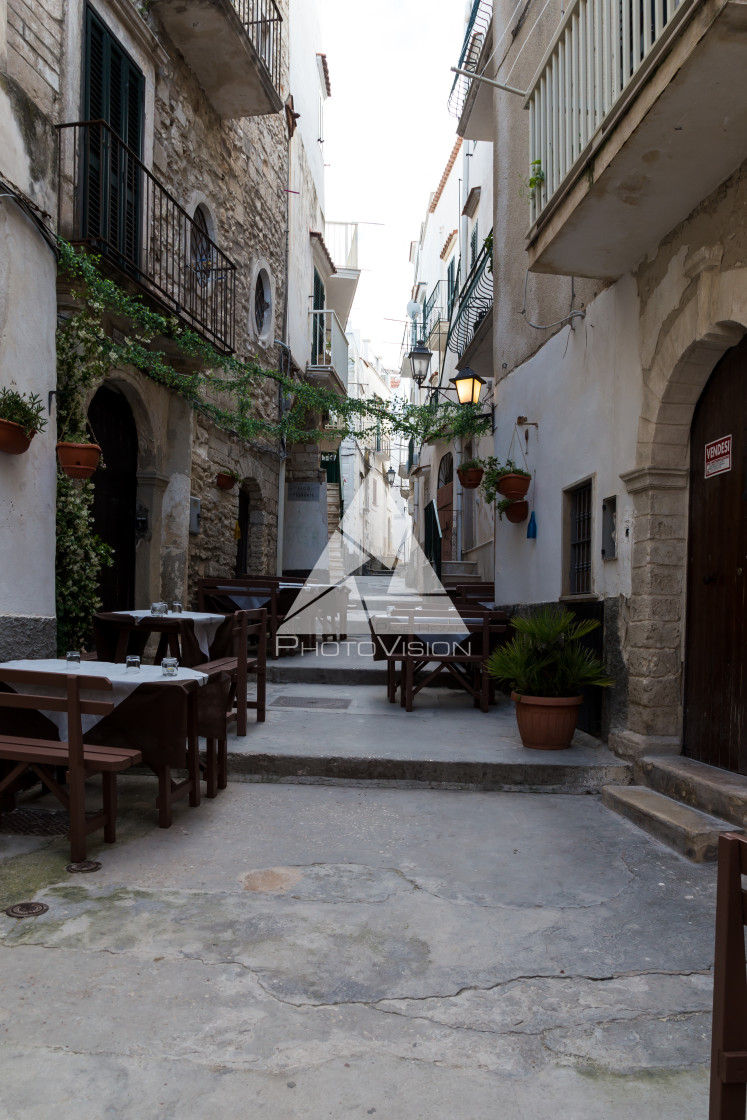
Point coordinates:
pixel 19 753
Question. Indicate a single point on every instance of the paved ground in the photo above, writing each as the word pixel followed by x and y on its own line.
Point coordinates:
pixel 300 951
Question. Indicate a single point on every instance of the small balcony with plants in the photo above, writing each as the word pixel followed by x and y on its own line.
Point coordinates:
pixel 636 113
pixel 470 331
pixel 111 203
pixel 234 48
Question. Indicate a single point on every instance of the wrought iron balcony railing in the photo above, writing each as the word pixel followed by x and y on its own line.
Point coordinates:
pixel 111 202
pixel 435 308
pixel 263 24
pixel 478 27
pixel 473 303
pixel 597 51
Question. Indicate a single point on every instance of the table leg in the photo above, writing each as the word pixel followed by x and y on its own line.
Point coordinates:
pixel 211 768
pixel 109 784
pixel 193 749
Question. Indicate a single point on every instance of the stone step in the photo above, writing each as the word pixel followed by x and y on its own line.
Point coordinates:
pixel 714 791
pixel 458 567
pixel 689 831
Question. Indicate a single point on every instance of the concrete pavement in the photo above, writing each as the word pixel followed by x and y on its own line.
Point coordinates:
pixel 302 951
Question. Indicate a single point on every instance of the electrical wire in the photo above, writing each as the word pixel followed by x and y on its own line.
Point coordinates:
pixel 561 322
pixel 31 212
pixel 529 36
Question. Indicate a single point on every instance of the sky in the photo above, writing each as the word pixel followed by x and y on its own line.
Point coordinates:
pixel 388 135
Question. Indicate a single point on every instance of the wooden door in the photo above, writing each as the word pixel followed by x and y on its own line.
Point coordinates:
pixel 716 647
pixel 115 495
pixel 445 503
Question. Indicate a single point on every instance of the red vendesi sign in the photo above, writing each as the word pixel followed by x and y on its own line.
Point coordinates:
pixel 718 456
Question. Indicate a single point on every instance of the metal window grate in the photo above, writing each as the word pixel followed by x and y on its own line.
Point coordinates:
pixel 580 574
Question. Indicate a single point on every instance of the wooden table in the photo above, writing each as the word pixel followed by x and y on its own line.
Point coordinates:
pixel 154 714
pixel 192 637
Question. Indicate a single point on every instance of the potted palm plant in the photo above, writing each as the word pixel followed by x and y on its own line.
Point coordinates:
pixel 546 667
pixel 470 473
pixel 21 417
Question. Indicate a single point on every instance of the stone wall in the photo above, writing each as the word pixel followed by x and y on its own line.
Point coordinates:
pixel 34 49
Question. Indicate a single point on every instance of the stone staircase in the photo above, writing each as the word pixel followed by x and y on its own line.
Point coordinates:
pixel 684 803
pixel 459 571
pixel 336 561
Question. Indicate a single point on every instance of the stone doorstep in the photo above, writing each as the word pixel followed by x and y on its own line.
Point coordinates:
pixel 689 831
pixel 716 792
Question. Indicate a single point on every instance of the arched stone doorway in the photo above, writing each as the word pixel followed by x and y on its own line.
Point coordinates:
pixel 115 493
pixel 716 636
pixel 711 319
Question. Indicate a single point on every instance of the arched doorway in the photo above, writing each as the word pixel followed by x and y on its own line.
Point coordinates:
pixel 716 636
pixel 115 494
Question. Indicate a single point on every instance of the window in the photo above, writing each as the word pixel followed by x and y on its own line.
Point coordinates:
pixel 262 302
pixel 609 528
pixel 201 246
pixel 473 246
pixel 451 283
pixel 579 582
pixel 446 470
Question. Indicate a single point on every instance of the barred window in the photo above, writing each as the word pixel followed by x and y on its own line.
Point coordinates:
pixel 580 539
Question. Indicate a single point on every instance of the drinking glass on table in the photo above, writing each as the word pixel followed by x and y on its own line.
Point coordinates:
pixel 176 608
pixel 170 666
pixel 132 663
pixel 159 608
pixel 73 658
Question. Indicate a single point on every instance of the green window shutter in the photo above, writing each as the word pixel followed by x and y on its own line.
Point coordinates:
pixel 473 246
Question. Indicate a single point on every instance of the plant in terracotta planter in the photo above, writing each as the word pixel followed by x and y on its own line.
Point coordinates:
pixel 78 460
pixel 515 512
pixel 226 480
pixel 504 478
pixel 470 473
pixel 21 417
pixel 545 667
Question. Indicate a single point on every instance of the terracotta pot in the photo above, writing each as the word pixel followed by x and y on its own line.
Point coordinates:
pixel 225 481
pixel 517 512
pixel 513 486
pixel 546 723
pixel 470 478
pixel 78 460
pixel 13 439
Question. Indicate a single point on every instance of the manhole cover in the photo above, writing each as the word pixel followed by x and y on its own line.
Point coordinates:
pixel 26 910
pixel 35 822
pixel 86 865
pixel 309 702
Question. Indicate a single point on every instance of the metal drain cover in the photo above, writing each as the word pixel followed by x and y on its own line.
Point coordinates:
pixel 310 702
pixel 35 822
pixel 26 910
pixel 85 866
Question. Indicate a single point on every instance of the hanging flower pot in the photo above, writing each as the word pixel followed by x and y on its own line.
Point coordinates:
pixel 517 511
pixel 225 481
pixel 470 477
pixel 13 438
pixel 513 486
pixel 78 460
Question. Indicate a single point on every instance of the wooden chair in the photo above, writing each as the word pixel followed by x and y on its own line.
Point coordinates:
pixel 116 635
pixel 20 753
pixel 223 700
pixel 729 1039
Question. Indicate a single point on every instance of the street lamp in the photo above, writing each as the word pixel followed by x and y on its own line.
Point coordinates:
pixel 420 359
pixel 468 385
pixel 391 474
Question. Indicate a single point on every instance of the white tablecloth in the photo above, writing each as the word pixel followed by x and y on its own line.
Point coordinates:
pixel 206 625
pixel 123 683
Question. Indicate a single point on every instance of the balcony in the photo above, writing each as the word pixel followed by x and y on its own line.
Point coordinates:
pixel 636 114
pixel 115 206
pixel 234 49
pixel 341 240
pixel 470 333
pixel 329 352
pixel 472 102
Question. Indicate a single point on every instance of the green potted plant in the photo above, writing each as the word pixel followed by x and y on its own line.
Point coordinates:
pixel 507 479
pixel 21 417
pixel 470 473
pixel 545 667
pixel 515 512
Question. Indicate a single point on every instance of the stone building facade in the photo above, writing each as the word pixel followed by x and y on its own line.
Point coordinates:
pixel 619 318
pixel 213 145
